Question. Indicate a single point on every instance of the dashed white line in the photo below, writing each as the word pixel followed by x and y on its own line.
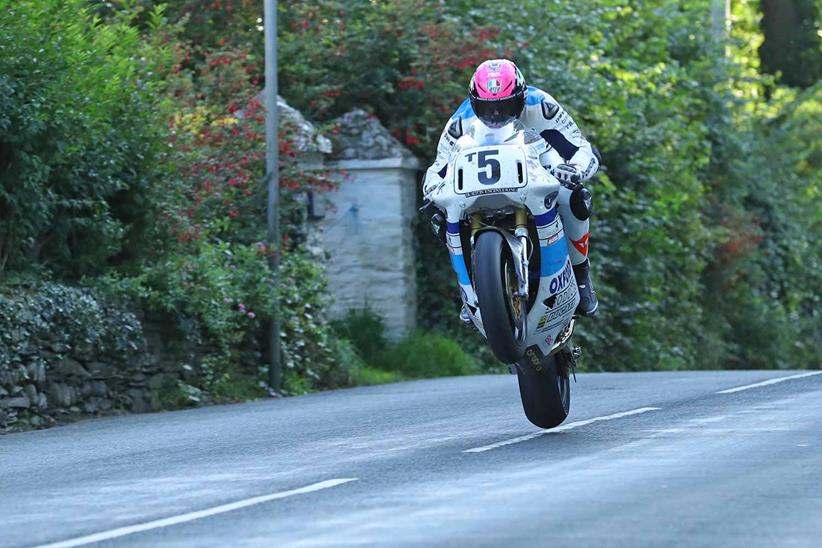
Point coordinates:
pixel 183 518
pixel 563 428
pixel 769 382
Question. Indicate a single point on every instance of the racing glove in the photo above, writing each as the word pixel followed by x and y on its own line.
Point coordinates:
pixel 566 174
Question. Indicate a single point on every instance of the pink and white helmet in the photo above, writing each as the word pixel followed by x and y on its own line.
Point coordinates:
pixel 497 92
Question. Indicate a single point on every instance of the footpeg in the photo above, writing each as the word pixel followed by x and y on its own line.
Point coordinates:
pixel 576 353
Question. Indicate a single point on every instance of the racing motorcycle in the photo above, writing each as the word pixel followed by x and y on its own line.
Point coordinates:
pixel 498 215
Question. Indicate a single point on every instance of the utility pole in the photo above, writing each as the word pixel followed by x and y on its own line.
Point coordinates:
pixel 720 16
pixel 275 366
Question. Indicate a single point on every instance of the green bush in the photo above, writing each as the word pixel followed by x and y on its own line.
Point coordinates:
pixel 420 355
pixel 81 125
pixel 366 331
pixel 427 355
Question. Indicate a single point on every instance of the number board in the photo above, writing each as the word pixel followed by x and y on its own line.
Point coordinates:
pixel 490 170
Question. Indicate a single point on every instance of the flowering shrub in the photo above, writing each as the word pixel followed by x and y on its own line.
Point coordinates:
pixel 214 268
pixel 406 61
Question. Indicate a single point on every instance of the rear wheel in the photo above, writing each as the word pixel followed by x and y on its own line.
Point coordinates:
pixel 496 284
pixel 545 387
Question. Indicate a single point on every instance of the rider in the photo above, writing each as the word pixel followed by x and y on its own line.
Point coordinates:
pixel 497 95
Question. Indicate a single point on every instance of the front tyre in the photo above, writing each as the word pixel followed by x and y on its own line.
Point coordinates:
pixel 496 284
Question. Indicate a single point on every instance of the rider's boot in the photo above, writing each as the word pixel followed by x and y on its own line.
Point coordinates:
pixel 588 303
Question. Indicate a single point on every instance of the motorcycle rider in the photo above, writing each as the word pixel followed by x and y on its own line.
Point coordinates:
pixel 497 96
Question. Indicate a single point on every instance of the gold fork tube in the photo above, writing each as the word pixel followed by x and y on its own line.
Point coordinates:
pixel 521 218
pixel 476 223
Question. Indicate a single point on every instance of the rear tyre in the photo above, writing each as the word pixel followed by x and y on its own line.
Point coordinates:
pixel 495 281
pixel 545 387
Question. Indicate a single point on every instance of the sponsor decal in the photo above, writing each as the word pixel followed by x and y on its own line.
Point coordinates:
pixel 490 191
pixel 494 86
pixel 549 340
pixel 560 311
pixel 551 326
pixel 582 244
pixel 561 298
pixel 555 238
pixel 561 280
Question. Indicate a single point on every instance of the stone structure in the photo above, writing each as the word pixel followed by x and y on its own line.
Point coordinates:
pixel 66 352
pixel 367 226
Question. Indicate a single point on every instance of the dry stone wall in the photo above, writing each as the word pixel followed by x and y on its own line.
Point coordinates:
pixel 65 351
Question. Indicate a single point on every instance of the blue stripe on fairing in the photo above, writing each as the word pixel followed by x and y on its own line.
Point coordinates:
pixel 552 258
pixel 546 218
pixel 458 262
pixel 453 228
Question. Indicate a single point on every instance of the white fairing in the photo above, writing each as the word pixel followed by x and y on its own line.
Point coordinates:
pixel 497 170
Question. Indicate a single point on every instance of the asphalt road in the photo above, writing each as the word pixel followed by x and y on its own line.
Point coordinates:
pixel 645 459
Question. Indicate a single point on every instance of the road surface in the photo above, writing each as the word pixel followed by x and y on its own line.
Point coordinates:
pixel 645 459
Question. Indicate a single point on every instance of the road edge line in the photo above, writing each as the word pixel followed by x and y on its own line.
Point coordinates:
pixel 562 428
pixel 192 516
pixel 769 382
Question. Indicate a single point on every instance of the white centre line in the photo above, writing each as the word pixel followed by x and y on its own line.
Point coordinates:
pixel 768 382
pixel 183 518
pixel 564 427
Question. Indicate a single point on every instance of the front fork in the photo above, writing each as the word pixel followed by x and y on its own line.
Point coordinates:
pixel 521 232
pixel 518 244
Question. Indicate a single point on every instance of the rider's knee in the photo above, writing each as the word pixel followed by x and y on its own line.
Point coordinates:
pixel 581 203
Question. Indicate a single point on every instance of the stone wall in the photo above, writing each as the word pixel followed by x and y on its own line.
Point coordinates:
pixel 64 351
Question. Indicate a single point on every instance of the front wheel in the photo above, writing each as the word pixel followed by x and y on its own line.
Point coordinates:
pixel 496 284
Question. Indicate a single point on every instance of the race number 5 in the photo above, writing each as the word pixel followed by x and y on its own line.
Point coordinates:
pixel 484 160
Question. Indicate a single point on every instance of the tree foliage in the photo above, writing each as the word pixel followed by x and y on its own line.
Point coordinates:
pixel 131 144
pixel 702 213
pixel 81 106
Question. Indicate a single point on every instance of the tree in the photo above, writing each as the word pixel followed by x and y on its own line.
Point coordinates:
pixel 792 45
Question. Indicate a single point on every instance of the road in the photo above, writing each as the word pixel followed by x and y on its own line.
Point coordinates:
pixel 690 459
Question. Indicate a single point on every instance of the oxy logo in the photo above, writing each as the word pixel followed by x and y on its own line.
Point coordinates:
pixel 560 281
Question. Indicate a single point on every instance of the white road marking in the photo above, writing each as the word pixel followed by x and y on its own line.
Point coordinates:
pixel 564 427
pixel 183 518
pixel 768 382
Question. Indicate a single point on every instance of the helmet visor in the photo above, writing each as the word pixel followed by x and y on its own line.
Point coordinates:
pixel 496 113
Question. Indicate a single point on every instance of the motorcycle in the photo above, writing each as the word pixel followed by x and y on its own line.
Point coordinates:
pixel 499 218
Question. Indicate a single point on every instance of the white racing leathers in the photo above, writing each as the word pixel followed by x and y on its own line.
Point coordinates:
pixel 564 144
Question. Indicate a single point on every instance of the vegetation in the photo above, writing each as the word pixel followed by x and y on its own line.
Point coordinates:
pixel 417 356
pixel 131 161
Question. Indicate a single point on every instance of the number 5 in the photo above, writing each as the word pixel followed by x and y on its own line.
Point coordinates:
pixel 484 160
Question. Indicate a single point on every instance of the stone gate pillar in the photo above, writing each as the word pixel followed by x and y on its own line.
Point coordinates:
pixel 367 227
